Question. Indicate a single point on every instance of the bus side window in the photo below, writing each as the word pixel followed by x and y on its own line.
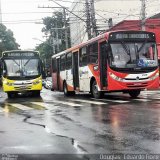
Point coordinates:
pixel 68 61
pixel 93 52
pixel 83 57
pixel 54 65
pixel 62 63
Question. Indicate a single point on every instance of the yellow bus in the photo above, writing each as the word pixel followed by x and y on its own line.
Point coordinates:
pixel 21 72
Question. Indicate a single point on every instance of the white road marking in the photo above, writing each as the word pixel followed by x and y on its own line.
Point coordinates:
pixel 59 102
pixel 42 104
pixel 151 92
pixel 156 98
pixel 109 100
pixel 88 101
pixel 1 110
pixel 20 106
pixel 142 100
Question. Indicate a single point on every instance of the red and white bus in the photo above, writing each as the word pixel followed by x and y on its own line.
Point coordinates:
pixel 124 61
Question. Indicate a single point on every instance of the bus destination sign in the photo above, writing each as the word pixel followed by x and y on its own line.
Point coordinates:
pixel 20 54
pixel 135 36
pixel 128 36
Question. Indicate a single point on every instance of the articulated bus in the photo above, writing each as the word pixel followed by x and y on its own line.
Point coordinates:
pixel 21 72
pixel 122 61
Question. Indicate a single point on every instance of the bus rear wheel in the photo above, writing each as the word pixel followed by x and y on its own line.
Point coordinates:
pixel 94 90
pixel 134 93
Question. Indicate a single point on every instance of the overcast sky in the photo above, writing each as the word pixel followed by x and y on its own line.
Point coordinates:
pixel 23 17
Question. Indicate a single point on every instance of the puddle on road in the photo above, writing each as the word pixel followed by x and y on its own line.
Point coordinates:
pixel 75 144
pixel 6 109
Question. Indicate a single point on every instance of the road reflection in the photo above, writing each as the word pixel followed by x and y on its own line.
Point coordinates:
pixel 128 126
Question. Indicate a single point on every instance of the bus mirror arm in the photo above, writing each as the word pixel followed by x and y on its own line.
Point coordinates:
pixel 4 73
pixel 43 75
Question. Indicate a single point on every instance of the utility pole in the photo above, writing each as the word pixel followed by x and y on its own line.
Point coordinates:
pixel 56 44
pixel 110 23
pixel 66 9
pixel 53 42
pixel 66 29
pixel 143 14
pixel 88 21
pixel 57 37
pixel 93 19
pixel 0 13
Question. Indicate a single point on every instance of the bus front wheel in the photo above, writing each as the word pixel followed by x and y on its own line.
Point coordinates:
pixel 65 89
pixel 94 90
pixel 11 95
pixel 66 92
pixel 134 93
pixel 36 93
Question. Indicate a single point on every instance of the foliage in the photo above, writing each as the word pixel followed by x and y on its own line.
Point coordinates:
pixel 54 29
pixel 45 50
pixel 7 41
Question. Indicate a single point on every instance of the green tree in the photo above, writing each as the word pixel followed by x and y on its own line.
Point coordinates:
pixel 46 52
pixel 7 40
pixel 54 26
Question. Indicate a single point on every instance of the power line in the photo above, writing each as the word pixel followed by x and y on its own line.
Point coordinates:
pixel 24 12
pixel 69 1
pixel 67 10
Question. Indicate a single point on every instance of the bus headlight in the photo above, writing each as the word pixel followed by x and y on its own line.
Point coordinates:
pixel 8 83
pixel 113 76
pixel 154 77
pixel 37 82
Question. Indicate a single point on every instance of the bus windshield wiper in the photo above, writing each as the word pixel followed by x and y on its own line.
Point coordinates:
pixel 125 47
pixel 27 61
pixel 143 44
pixel 16 63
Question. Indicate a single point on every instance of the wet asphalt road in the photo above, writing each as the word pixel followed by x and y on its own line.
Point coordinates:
pixel 54 124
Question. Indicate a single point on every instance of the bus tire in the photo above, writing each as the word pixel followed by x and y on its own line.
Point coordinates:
pixel 72 93
pixel 65 89
pixel 134 93
pixel 66 92
pixel 94 91
pixel 11 95
pixel 36 93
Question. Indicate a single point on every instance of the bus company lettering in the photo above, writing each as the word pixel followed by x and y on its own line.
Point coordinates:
pixel 83 72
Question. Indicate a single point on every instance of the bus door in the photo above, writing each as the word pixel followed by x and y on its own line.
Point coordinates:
pixel 58 73
pixel 75 70
pixel 103 65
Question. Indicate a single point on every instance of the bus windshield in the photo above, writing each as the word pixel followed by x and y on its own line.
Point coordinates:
pixel 22 67
pixel 133 55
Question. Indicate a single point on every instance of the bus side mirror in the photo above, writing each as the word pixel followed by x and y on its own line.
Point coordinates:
pixel 43 75
pixel 4 73
pixel 106 46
